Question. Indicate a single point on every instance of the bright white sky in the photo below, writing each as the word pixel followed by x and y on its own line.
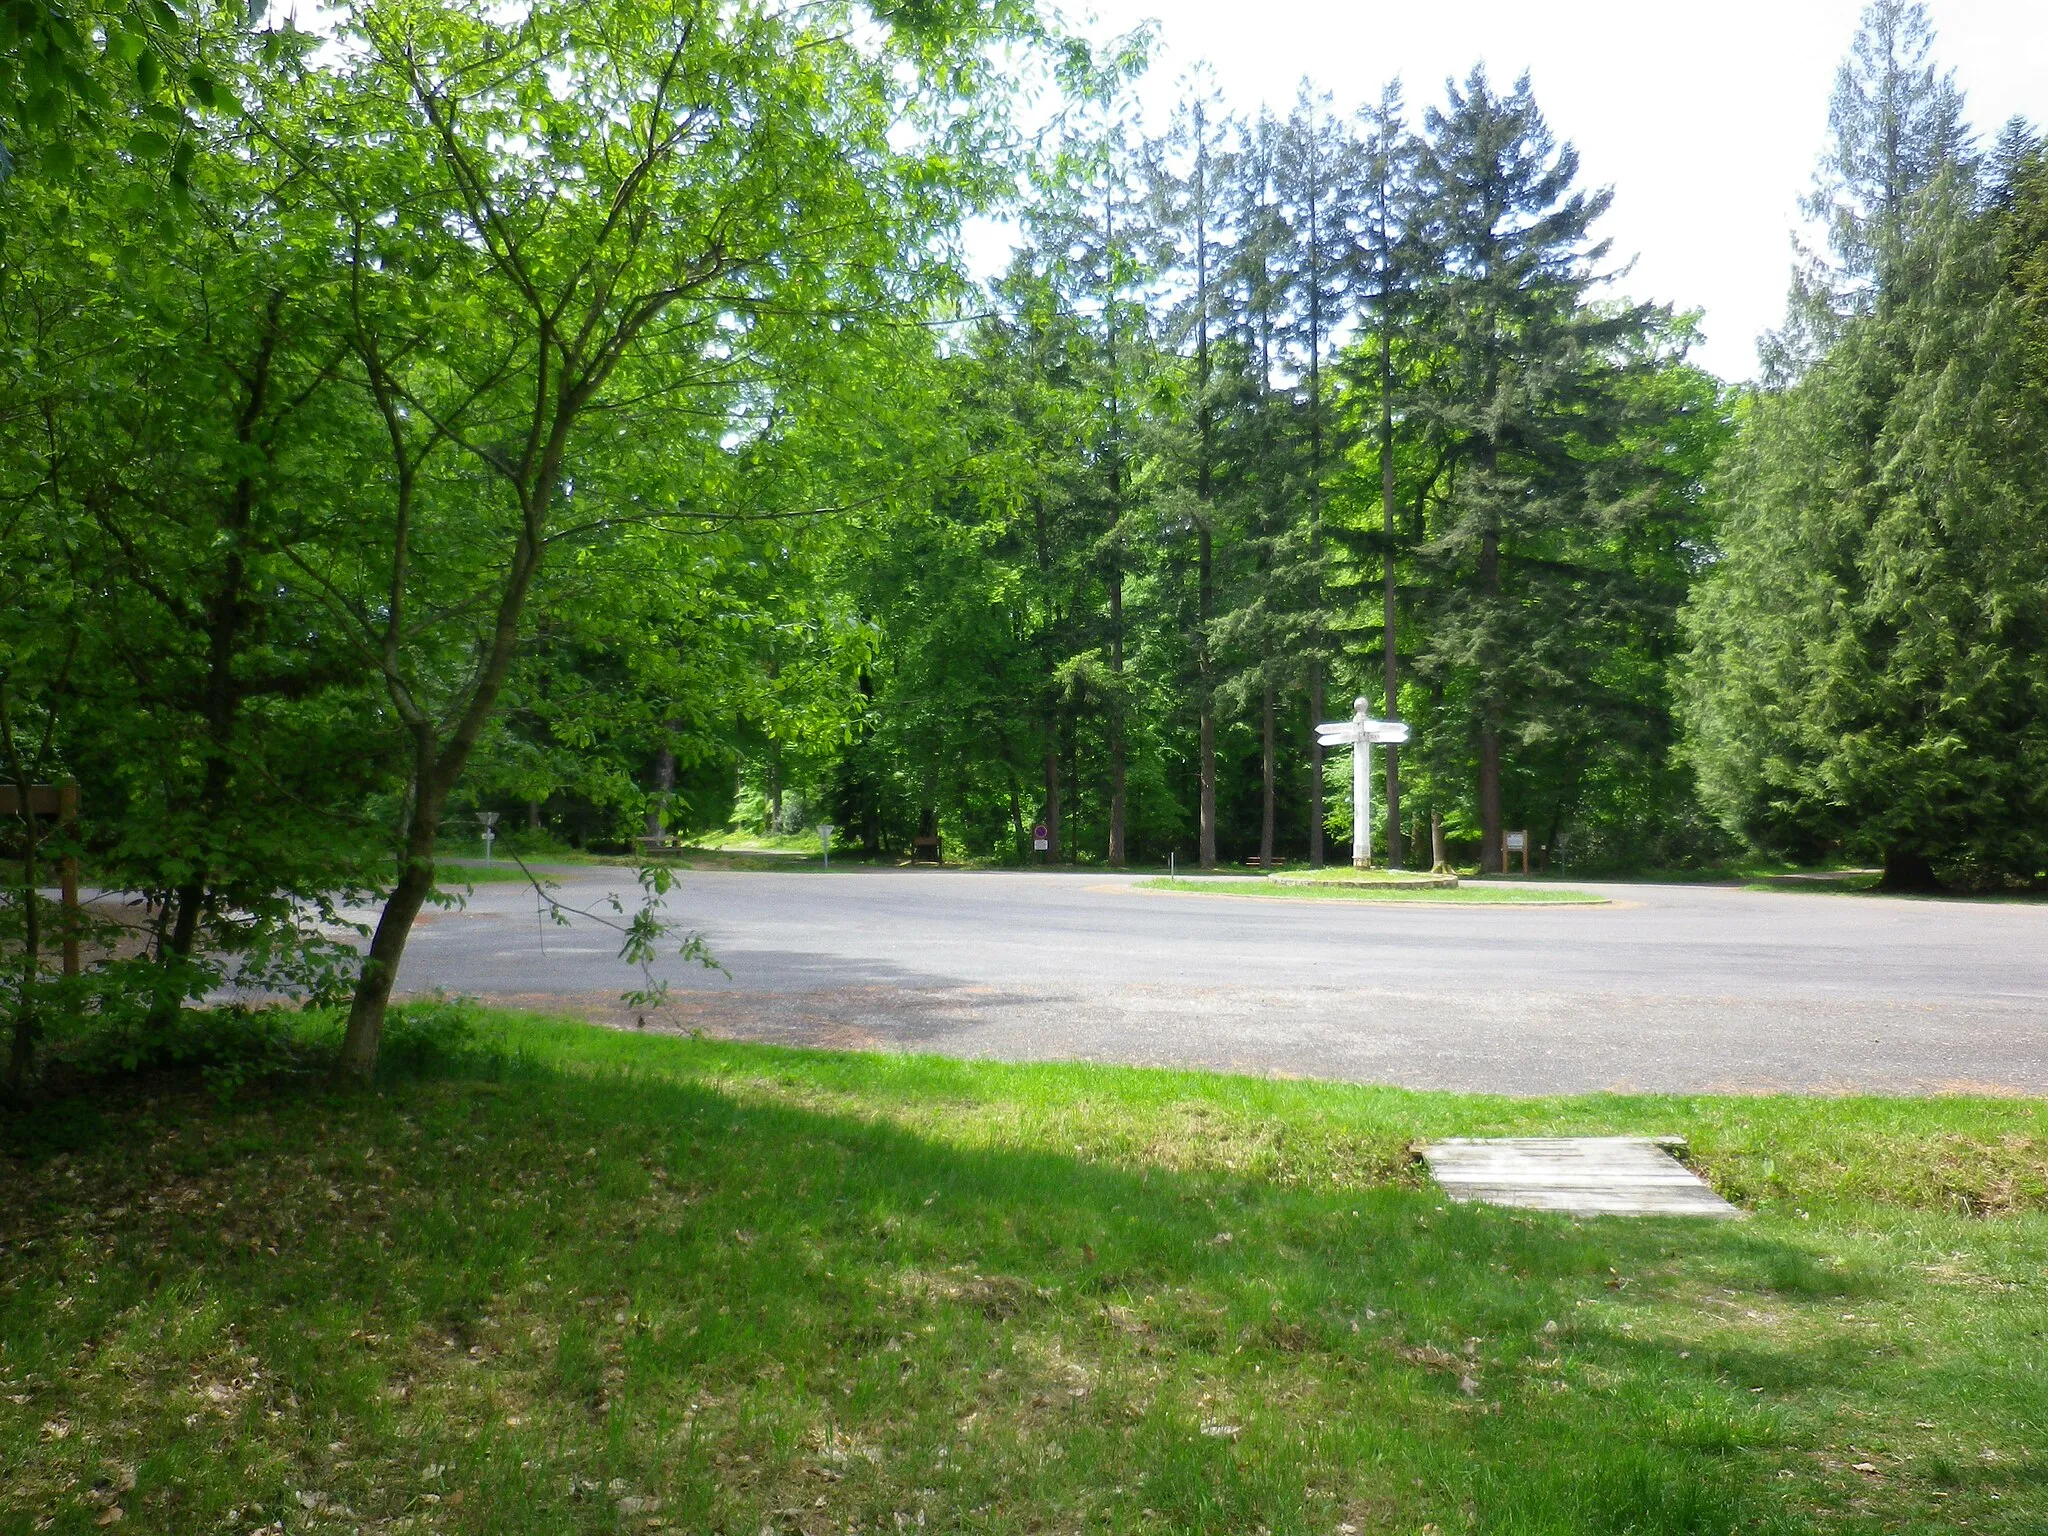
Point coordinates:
pixel 1706 116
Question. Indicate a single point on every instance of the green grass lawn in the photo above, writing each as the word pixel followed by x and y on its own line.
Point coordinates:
pixel 602 1282
pixel 453 877
pixel 1348 890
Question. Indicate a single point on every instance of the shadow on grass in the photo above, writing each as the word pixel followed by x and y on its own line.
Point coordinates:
pixel 528 1299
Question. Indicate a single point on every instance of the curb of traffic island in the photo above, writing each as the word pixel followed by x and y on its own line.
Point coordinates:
pixel 1382 881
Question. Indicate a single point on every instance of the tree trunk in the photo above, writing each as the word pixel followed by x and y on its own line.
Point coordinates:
pixel 1266 767
pixel 1206 766
pixel 1052 801
pixel 533 815
pixel 1116 718
pixel 1315 765
pixel 394 926
pixel 1391 653
pixel 1207 851
pixel 1393 795
pixel 1492 859
pixel 1439 860
pixel 27 1011
pixel 664 786
pixel 1907 870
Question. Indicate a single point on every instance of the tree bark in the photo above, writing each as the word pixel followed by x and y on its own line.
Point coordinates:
pixel 1439 859
pixel 1205 495
pixel 1391 655
pixel 1907 870
pixel 1116 717
pixel 27 1011
pixel 1207 851
pixel 1052 799
pixel 394 926
pixel 664 786
pixel 1266 767
pixel 1492 858
pixel 1315 765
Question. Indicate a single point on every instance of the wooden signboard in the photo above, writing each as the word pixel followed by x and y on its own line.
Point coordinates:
pixel 61 802
pixel 1517 842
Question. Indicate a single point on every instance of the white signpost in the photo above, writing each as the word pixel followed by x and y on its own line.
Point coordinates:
pixel 1360 733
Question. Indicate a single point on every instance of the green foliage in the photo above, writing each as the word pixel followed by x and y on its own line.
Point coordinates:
pixel 1160 546
pixel 1867 671
pixel 454 436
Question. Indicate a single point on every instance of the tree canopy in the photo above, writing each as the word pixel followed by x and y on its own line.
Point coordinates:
pixel 582 414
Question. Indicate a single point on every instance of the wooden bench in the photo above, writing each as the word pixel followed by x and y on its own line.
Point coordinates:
pixel 920 846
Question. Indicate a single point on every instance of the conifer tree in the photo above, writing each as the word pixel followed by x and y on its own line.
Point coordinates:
pixel 1895 122
pixel 1521 383
pixel 1867 668
pixel 1386 277
pixel 1317 187
pixel 1190 174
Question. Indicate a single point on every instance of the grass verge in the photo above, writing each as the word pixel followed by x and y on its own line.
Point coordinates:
pixel 575 1280
pixel 1335 890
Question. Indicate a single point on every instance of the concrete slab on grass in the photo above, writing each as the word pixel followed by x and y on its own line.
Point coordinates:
pixel 1582 1175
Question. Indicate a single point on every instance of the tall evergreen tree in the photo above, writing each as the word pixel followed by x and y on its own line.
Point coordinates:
pixel 1895 122
pixel 1521 386
pixel 1867 669
pixel 1317 186
pixel 1385 294
pixel 1191 183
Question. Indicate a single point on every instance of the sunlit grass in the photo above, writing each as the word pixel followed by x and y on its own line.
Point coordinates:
pixel 577 1280
pixel 1335 890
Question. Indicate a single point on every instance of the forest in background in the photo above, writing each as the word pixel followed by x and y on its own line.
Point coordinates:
pixel 584 413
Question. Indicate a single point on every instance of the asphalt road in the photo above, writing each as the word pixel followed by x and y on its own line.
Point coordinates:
pixel 1671 988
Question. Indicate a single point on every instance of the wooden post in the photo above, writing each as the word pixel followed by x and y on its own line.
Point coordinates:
pixel 60 802
pixel 67 816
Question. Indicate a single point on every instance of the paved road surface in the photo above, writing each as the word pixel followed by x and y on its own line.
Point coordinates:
pixel 1672 988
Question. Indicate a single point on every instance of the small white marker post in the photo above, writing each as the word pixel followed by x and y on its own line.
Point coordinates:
pixel 825 842
pixel 1359 733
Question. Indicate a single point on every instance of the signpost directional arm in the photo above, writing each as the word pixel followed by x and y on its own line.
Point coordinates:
pixel 1360 733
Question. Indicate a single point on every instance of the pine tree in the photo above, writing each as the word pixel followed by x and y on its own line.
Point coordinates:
pixel 1869 663
pixel 1895 123
pixel 1190 196
pixel 1387 275
pixel 1520 385
pixel 1259 632
pixel 1318 192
